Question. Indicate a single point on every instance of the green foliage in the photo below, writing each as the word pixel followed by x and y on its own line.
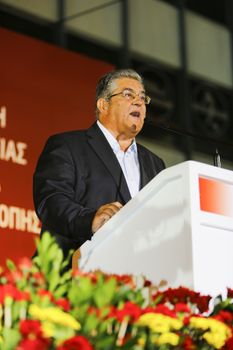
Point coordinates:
pixel 81 292
pixel 104 293
pixel 51 263
pixel 10 264
pixel 11 339
pixel 103 312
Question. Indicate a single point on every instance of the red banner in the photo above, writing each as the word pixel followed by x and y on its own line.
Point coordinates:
pixel 43 90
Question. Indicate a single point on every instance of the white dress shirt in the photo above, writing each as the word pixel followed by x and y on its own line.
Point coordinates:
pixel 128 160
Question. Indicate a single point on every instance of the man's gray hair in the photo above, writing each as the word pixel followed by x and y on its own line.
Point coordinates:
pixel 105 85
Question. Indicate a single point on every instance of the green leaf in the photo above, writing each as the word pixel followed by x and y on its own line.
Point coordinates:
pixel 53 280
pixel 15 310
pixel 11 337
pixel 81 292
pixel 63 333
pixel 10 264
pixel 106 343
pixel 90 323
pixel 104 293
pixel 66 277
pixel 44 242
pixel 61 291
pixel 67 260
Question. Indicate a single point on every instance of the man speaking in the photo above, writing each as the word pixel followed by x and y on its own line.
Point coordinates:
pixel 84 177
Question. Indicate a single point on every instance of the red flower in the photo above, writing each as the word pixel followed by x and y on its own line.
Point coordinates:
pixel 202 302
pixel 93 310
pixel 188 343
pixel 181 307
pixel 45 294
pixel 147 283
pixel 24 295
pixel 32 336
pixel 76 343
pixel 162 309
pixel 123 279
pixel 186 320
pixel 63 303
pixel 30 329
pixel 180 294
pixel 229 293
pixel 9 290
pixel 131 310
pixel 14 276
pixel 224 316
pixel 77 273
pixel 148 309
pixel 229 344
pixel 33 344
pixel 184 295
pixel 112 312
pixel 93 277
pixel 25 264
pixel 39 278
pixel 159 297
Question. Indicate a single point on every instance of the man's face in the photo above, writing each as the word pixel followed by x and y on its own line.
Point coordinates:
pixel 125 115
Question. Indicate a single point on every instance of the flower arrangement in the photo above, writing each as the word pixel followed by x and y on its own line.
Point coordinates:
pixel 44 307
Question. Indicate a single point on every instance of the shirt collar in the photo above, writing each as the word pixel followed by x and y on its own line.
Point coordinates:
pixel 113 142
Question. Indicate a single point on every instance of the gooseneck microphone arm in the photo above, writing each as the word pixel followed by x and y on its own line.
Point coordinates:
pixel 172 130
pixel 190 134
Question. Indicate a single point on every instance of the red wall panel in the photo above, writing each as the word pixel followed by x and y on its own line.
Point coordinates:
pixel 43 90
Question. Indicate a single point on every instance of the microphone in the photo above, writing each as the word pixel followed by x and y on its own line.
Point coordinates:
pixel 217 159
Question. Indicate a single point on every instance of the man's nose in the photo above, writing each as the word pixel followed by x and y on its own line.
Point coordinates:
pixel 138 100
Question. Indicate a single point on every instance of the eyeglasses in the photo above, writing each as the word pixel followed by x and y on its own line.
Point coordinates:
pixel 130 95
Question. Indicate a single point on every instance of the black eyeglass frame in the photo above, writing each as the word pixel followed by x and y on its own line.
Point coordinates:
pixel 146 99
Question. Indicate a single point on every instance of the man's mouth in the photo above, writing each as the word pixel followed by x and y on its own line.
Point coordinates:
pixel 135 114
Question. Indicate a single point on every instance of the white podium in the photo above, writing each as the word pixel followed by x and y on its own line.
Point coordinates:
pixel 179 228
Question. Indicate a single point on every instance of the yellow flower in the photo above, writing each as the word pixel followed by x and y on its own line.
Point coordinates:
pixel 141 341
pixel 168 338
pixel 217 334
pixel 159 323
pixel 55 315
pixel 48 329
pixel 210 323
pixel 199 322
pixel 215 339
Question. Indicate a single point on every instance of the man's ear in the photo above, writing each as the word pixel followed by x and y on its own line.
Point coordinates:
pixel 102 105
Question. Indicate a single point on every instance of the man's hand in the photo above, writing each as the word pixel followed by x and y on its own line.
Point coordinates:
pixel 104 213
